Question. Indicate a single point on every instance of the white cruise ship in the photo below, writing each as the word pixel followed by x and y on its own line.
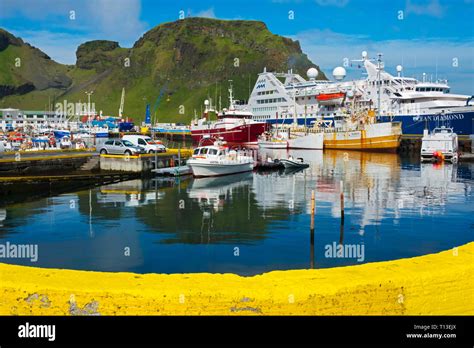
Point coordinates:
pixel 288 98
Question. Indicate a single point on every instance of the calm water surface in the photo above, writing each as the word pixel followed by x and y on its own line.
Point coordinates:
pixel 252 223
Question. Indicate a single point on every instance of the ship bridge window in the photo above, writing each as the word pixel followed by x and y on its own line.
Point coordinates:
pixel 196 152
pixel 212 152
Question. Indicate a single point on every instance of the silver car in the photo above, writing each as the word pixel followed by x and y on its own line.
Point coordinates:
pixel 121 147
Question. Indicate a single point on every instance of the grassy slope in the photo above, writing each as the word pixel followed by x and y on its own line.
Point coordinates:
pixel 189 56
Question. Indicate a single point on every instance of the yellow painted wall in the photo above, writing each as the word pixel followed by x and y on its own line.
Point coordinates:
pixel 440 283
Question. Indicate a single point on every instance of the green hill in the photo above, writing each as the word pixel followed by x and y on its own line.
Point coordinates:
pixel 189 60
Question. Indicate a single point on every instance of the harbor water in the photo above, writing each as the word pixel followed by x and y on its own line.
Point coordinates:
pixel 252 223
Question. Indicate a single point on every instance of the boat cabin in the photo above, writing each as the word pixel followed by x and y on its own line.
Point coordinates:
pixel 210 151
pixel 441 144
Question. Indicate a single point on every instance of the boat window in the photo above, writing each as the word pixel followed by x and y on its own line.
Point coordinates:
pixel 212 152
pixel 204 151
pixel 196 152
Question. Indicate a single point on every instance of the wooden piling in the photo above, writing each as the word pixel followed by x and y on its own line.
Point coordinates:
pixel 313 210
pixel 342 201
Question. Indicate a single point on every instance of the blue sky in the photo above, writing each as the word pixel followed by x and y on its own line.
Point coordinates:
pixel 422 35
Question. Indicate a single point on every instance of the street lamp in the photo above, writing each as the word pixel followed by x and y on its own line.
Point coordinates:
pixel 89 103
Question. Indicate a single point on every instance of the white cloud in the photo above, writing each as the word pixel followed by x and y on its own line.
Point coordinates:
pixel 209 13
pixel 433 56
pixel 117 20
pixel 430 8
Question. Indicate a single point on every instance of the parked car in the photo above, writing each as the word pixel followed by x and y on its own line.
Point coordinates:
pixel 150 145
pixel 121 147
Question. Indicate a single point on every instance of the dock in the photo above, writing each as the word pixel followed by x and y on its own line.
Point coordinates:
pixel 173 171
pixel 36 174
pixel 143 163
pixel 38 162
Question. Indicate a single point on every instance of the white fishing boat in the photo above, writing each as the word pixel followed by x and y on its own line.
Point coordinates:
pixel 440 145
pixel 217 159
pixel 304 139
pixel 272 141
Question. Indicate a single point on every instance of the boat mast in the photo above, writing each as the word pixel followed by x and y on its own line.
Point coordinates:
pixel 379 67
pixel 231 96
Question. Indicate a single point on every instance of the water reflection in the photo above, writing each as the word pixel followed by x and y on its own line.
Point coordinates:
pixel 395 207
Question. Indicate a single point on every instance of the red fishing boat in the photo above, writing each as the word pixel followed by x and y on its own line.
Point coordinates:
pixel 236 127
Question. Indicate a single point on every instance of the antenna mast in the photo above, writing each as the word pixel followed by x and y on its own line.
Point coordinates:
pixel 379 67
pixel 231 96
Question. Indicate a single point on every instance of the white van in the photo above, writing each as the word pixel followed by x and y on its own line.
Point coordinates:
pixel 146 142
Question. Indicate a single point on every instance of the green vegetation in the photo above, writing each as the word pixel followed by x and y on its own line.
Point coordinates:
pixel 191 59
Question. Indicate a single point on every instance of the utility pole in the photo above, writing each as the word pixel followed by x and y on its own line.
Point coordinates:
pixel 89 102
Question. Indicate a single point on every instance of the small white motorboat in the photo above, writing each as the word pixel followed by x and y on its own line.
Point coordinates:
pixel 294 163
pixel 440 145
pixel 65 143
pixel 217 159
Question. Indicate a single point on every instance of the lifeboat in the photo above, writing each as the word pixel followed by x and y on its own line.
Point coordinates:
pixel 330 98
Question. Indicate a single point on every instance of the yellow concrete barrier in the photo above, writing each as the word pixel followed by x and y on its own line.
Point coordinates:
pixel 23 152
pixel 438 284
pixel 169 152
pixel 24 157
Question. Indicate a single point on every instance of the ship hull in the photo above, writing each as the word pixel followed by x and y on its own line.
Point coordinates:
pixel 272 144
pixel 462 122
pixel 239 135
pixel 383 137
pixel 201 170
pixel 310 141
